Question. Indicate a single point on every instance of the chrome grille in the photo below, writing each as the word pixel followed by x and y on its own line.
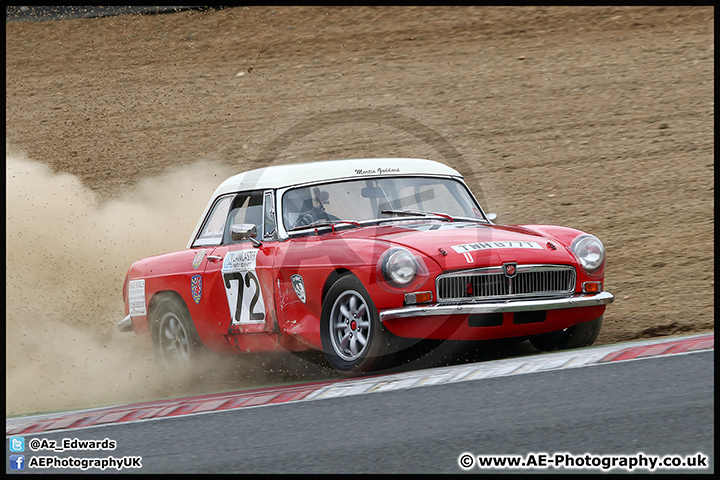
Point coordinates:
pixel 491 282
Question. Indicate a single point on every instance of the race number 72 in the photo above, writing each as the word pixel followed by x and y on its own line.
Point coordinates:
pixel 243 288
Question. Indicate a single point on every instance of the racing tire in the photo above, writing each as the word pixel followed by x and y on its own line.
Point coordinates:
pixel 353 338
pixel 176 343
pixel 580 335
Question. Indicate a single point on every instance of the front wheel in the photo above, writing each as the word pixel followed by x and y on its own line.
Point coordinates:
pixel 353 338
pixel 580 335
pixel 176 343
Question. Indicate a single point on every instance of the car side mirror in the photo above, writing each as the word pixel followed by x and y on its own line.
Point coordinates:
pixel 244 231
pixel 491 216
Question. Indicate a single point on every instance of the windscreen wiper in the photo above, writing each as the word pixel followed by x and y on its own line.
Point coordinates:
pixel 418 213
pixel 325 223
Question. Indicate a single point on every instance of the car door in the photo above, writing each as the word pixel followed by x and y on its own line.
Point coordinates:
pixel 239 273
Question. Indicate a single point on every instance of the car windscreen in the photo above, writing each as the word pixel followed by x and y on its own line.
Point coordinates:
pixel 377 199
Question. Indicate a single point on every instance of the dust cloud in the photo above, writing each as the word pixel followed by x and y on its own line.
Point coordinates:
pixel 67 253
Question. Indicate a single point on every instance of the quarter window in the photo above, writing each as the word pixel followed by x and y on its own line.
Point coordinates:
pixel 269 216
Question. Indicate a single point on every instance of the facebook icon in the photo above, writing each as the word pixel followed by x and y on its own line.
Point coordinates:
pixel 17 462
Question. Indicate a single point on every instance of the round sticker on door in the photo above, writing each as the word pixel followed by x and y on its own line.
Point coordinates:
pixel 198 258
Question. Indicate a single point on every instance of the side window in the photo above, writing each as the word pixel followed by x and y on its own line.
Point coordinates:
pixel 212 231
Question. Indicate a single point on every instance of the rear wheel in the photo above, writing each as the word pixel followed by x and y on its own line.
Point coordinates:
pixel 353 338
pixel 176 343
pixel 580 335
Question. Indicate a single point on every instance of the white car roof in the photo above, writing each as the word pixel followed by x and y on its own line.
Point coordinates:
pixel 281 176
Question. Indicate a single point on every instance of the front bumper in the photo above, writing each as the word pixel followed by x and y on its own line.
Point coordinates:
pixel 125 324
pixel 575 301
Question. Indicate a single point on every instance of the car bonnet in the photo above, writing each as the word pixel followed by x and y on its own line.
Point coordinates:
pixel 460 245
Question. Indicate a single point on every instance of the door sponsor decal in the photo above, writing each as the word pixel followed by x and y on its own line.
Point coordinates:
pixel 136 297
pixel 299 286
pixel 242 287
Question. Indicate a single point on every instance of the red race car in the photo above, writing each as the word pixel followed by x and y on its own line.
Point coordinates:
pixel 355 257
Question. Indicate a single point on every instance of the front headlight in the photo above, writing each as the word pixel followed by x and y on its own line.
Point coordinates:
pixel 589 251
pixel 399 267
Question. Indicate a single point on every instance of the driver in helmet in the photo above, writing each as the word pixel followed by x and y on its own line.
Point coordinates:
pixel 303 206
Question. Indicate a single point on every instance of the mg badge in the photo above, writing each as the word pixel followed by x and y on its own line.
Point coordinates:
pixel 299 286
pixel 510 269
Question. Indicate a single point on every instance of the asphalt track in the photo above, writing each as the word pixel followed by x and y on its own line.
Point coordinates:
pixel 651 398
